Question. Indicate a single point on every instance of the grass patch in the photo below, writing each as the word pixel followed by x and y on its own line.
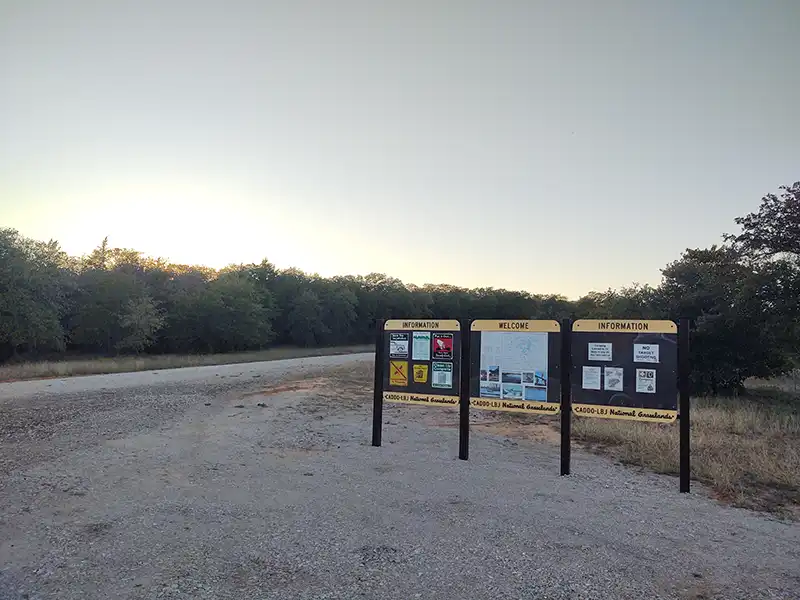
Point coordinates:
pixel 128 364
pixel 746 449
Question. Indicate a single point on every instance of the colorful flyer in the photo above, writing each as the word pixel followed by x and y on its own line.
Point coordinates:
pixel 398 373
pixel 420 373
pixel 443 346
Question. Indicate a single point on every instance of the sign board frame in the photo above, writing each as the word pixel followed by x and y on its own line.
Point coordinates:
pixel 443 361
pixel 504 340
pixel 614 373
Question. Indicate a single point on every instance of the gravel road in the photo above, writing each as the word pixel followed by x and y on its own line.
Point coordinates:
pixel 258 481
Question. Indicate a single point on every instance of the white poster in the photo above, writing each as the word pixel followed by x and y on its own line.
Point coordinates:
pixel 398 345
pixel 645 381
pixel 518 361
pixel 421 348
pixel 612 379
pixel 600 351
pixel 645 353
pixel 591 378
pixel 442 375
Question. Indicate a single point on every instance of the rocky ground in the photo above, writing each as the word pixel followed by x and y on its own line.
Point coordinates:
pixel 258 481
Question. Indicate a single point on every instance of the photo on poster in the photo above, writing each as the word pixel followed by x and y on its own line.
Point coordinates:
pixel 494 373
pixel 540 379
pixel 600 351
pixel 420 373
pixel 645 353
pixel 443 345
pixel 442 375
pixel 421 345
pixel 535 394
pixel 398 345
pixel 489 389
pixel 537 378
pixel 512 377
pixel 512 391
pixel 398 373
pixel 484 375
pixel 645 381
pixel 612 379
pixel 591 378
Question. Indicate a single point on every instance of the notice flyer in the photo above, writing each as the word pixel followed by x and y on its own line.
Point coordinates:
pixel 398 345
pixel 612 379
pixel 443 346
pixel 647 353
pixel 442 375
pixel 645 381
pixel 421 346
pixel 591 378
pixel 600 351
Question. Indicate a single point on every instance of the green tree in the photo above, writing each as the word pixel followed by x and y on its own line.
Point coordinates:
pixel 140 320
pixel 34 282
pixel 305 324
pixel 774 230
pixel 735 334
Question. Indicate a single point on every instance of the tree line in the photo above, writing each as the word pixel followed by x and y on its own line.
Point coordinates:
pixel 743 296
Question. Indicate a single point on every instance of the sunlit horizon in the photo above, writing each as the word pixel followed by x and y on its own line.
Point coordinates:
pixel 552 148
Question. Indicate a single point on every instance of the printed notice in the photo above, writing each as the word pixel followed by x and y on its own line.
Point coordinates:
pixel 645 381
pixel 398 345
pixel 598 351
pixel 398 372
pixel 647 353
pixel 443 345
pixel 591 378
pixel 421 347
pixel 442 375
pixel 420 373
pixel 612 379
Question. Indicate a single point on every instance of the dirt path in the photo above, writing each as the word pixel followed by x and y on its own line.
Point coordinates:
pixel 258 481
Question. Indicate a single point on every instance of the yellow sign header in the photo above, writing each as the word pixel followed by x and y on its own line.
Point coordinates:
pixel 624 326
pixel 539 408
pixel 422 324
pixel 426 399
pixel 654 415
pixel 520 325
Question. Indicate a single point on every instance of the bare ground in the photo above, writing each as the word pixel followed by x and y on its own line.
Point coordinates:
pixel 258 481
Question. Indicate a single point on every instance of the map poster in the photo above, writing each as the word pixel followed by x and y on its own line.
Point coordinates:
pixel 513 363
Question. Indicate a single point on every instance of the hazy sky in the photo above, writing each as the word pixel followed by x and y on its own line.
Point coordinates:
pixel 555 146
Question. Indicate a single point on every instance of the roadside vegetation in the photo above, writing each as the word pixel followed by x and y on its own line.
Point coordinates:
pixel 743 298
pixel 127 364
pixel 745 448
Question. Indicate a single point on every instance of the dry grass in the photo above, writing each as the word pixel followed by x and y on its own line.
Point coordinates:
pixel 127 364
pixel 747 450
pixel 789 383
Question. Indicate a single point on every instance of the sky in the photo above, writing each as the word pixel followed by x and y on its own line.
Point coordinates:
pixel 554 147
